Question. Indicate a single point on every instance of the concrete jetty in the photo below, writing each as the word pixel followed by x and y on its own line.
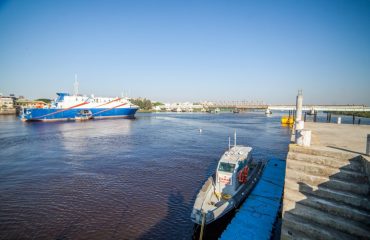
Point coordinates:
pixel 326 194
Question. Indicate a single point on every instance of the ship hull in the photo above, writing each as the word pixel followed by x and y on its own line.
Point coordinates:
pixel 50 114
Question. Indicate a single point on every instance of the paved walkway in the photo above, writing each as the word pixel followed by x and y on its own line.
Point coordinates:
pixel 345 137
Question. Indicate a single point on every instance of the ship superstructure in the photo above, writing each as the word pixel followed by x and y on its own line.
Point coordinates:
pixel 70 107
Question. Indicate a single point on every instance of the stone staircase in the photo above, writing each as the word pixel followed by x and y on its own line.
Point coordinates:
pixel 326 195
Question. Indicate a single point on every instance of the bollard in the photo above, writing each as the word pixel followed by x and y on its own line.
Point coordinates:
pixel 303 138
pixel 368 145
pixel 339 120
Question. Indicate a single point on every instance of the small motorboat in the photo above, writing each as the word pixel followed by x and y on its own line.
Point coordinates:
pixel 236 175
pixel 84 115
pixel 235 110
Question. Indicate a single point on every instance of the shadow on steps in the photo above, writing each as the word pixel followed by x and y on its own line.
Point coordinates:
pixel 334 206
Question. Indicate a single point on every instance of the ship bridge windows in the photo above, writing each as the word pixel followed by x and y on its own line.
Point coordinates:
pixel 226 167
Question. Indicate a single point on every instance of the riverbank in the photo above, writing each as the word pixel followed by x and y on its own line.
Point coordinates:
pixel 356 114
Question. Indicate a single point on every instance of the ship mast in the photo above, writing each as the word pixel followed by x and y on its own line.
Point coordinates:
pixel 75 86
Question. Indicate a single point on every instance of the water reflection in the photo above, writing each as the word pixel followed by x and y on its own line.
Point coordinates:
pixel 173 222
pixel 82 137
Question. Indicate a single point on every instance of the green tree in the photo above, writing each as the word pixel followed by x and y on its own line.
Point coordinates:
pixel 157 104
pixel 144 104
pixel 45 100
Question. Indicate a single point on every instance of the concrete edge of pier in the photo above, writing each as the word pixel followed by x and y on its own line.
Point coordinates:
pixel 326 193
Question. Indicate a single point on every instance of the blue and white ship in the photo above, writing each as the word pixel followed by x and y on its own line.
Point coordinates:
pixel 78 107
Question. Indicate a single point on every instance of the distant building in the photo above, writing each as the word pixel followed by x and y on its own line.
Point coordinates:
pixel 30 103
pixel 7 105
pixel 157 108
pixel 182 107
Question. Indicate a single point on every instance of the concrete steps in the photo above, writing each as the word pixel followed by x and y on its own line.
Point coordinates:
pixel 296 227
pixel 326 195
pixel 326 171
pixel 345 164
pixel 333 183
pixel 331 221
pixel 327 206
pixel 353 200
pixel 288 234
pixel 323 152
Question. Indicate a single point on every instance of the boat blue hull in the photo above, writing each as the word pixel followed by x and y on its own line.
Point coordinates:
pixel 41 114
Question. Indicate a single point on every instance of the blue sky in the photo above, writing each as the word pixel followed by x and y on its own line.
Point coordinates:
pixel 188 50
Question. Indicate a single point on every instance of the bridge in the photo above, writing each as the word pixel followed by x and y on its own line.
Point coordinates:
pixel 242 105
pixel 318 108
pixel 258 105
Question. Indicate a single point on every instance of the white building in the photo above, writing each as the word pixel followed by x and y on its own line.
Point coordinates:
pixel 6 105
pixel 157 108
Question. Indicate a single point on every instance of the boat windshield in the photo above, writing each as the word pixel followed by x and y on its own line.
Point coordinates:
pixel 226 167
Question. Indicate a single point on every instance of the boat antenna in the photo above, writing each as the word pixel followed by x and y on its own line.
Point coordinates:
pixel 229 143
pixel 235 138
pixel 75 85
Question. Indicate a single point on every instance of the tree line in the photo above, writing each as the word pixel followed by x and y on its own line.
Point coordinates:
pixel 144 104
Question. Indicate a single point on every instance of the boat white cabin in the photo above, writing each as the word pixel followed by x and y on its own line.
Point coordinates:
pixel 228 168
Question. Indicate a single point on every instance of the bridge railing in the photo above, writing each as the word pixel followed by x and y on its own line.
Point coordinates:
pixel 284 107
